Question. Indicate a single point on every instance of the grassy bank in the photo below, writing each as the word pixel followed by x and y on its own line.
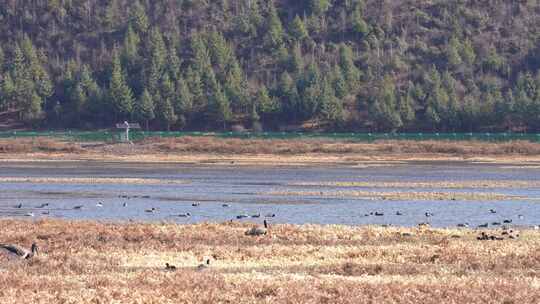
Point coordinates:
pixel 268 151
pixel 89 262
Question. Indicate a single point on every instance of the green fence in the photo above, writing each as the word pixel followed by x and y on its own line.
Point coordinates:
pixel 115 136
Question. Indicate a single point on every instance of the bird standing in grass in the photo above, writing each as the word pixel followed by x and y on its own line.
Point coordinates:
pixel 257 231
pixel 204 265
pixel 19 251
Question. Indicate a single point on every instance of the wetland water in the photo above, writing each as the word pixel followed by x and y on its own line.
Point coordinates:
pixel 294 194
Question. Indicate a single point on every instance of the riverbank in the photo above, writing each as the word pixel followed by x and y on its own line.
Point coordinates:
pixel 83 262
pixel 259 152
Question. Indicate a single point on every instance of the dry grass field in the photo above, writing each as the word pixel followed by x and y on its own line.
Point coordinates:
pixel 209 149
pixel 90 262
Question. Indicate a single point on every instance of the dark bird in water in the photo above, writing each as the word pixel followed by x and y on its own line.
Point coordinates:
pixel 19 251
pixel 257 231
pixel 151 210
pixel 170 267
pixel 507 221
pixel 100 204
pixel 196 204
pixel 399 213
pixel 225 205
pixel 44 205
pixel 19 206
pixel 124 204
pixel 492 211
pixel 256 215
pixel 428 214
pixel 483 225
pixel 495 224
pixel 78 207
pixel 204 265
pixel 241 216
pixel 184 214
pixel 379 214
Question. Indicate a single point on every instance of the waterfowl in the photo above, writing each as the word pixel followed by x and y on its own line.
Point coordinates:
pixel 428 214
pixel 170 267
pixel 257 231
pixel 204 265
pixel 225 205
pixel 507 221
pixel 19 251
pixel 256 215
pixel 196 204
pixel 29 214
pixel 399 213
pixel 483 225
pixel 151 210
pixel 241 216
pixel 124 204
pixel 270 215
pixel 100 204
pixel 19 206
pixel 184 214
pixel 495 224
pixel 78 207
pixel 379 214
pixel 492 211
pixel 44 205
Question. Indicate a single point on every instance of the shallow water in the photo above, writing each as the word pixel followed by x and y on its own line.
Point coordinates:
pixel 247 191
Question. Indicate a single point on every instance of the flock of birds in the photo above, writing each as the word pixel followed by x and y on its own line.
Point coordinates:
pixel 258 215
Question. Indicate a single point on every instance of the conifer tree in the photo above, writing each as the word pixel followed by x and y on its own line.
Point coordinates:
pixel 144 108
pixel 119 92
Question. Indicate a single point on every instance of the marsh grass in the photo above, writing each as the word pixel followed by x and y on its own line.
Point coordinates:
pixel 90 262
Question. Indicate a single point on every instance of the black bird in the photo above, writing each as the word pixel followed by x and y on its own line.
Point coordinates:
pixel 196 204
pixel 124 204
pixel 492 211
pixel 483 225
pixel 507 221
pixel 170 267
pixel 19 251
pixel 428 214
pixel 379 214
pixel 78 207
pixel 19 206
pixel 44 205
pixel 399 213
pixel 225 205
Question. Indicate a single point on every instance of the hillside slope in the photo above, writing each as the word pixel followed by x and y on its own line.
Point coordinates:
pixel 407 65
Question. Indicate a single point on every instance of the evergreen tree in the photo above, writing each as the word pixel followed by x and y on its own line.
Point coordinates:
pixel 274 29
pixel 119 92
pixel 144 108
pixel 298 29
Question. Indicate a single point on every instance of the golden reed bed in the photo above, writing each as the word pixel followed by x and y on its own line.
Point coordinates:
pixel 90 262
